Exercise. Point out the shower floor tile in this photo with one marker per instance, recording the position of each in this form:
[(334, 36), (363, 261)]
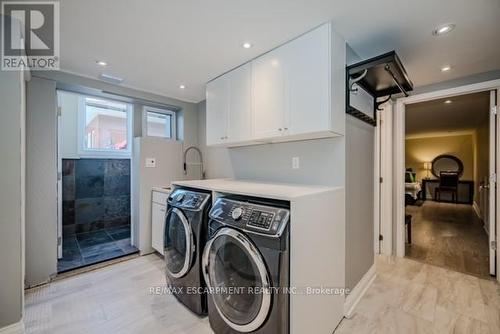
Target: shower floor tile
[(88, 248)]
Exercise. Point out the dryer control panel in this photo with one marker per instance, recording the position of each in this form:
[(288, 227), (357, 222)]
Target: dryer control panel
[(187, 199), (252, 217)]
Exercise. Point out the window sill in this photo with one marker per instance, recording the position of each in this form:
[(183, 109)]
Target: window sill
[(104, 155)]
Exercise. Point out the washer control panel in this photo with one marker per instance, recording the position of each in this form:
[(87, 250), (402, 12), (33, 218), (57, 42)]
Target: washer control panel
[(259, 218), (187, 199)]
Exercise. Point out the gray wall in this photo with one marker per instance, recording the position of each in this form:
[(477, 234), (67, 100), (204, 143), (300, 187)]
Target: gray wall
[(360, 138), (468, 80), (41, 175), (360, 164), (11, 289), (41, 229), (187, 129)]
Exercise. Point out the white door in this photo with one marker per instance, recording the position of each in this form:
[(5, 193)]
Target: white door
[(240, 104), (492, 193), (59, 186), (217, 108), (308, 73), (268, 90)]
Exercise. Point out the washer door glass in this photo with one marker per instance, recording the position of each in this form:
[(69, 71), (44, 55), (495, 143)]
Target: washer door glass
[(238, 277), (178, 243)]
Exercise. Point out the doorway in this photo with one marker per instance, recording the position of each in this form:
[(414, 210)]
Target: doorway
[(94, 220), (446, 171), (398, 225)]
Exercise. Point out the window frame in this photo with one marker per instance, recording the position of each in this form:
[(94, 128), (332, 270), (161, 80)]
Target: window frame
[(84, 152), (171, 113)]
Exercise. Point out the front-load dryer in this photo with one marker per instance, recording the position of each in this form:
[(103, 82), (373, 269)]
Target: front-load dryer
[(246, 266), (185, 234)]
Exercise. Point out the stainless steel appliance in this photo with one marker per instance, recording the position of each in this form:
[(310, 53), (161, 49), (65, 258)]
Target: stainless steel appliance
[(184, 238), (246, 266)]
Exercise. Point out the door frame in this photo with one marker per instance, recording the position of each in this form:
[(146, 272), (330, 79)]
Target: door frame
[(59, 180), (384, 180), (397, 222)]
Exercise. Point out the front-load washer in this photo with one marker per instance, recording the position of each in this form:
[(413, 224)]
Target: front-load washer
[(185, 234), (246, 266)]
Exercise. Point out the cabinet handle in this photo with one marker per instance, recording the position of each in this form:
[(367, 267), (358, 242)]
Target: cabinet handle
[(280, 129), (221, 138), (286, 129)]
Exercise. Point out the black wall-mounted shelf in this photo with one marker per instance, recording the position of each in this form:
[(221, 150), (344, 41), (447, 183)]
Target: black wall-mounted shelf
[(380, 76)]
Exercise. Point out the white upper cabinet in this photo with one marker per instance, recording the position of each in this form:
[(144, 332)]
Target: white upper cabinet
[(269, 95), (239, 121), (217, 110), (308, 69), (294, 92), (229, 107)]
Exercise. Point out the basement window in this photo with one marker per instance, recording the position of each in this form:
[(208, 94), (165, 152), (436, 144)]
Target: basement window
[(105, 127), (159, 122)]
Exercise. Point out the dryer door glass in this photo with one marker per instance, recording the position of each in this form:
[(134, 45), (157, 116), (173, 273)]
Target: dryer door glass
[(178, 243), (237, 272)]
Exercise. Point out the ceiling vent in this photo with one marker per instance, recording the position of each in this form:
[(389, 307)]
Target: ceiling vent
[(110, 78)]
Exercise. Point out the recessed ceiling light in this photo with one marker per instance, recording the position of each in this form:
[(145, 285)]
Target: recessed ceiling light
[(446, 68), (246, 45), (443, 29), (182, 86), (101, 63), (448, 101)]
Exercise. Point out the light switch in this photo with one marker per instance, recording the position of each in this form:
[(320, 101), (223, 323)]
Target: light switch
[(295, 162), (150, 162)]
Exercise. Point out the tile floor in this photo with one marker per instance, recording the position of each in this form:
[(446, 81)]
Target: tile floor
[(92, 247), (412, 297), (407, 297)]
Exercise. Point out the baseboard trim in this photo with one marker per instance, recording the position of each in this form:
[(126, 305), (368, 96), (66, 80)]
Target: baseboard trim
[(476, 209), (17, 328), (359, 290)]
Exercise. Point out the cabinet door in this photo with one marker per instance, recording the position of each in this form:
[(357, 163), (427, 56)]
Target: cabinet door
[(308, 73), (240, 104), (268, 90), (157, 226), (217, 108)]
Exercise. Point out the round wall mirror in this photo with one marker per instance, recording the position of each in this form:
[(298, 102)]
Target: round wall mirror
[(447, 163)]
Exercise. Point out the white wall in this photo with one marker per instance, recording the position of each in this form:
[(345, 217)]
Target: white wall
[(168, 168)]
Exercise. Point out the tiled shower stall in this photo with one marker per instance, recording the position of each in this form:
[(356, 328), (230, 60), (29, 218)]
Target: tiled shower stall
[(96, 211)]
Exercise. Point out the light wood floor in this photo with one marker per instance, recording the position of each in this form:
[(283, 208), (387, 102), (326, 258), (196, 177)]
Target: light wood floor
[(449, 235), (407, 297)]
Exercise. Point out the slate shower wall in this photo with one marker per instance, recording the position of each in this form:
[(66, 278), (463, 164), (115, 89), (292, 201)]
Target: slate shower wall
[(96, 194)]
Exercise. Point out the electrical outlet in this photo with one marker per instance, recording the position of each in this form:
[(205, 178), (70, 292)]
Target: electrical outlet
[(295, 162), (150, 162)]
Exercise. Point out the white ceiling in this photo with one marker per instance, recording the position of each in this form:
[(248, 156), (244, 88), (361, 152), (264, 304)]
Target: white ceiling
[(436, 118), (156, 45)]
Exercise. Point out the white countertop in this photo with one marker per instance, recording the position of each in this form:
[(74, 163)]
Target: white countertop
[(165, 190), (283, 191)]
